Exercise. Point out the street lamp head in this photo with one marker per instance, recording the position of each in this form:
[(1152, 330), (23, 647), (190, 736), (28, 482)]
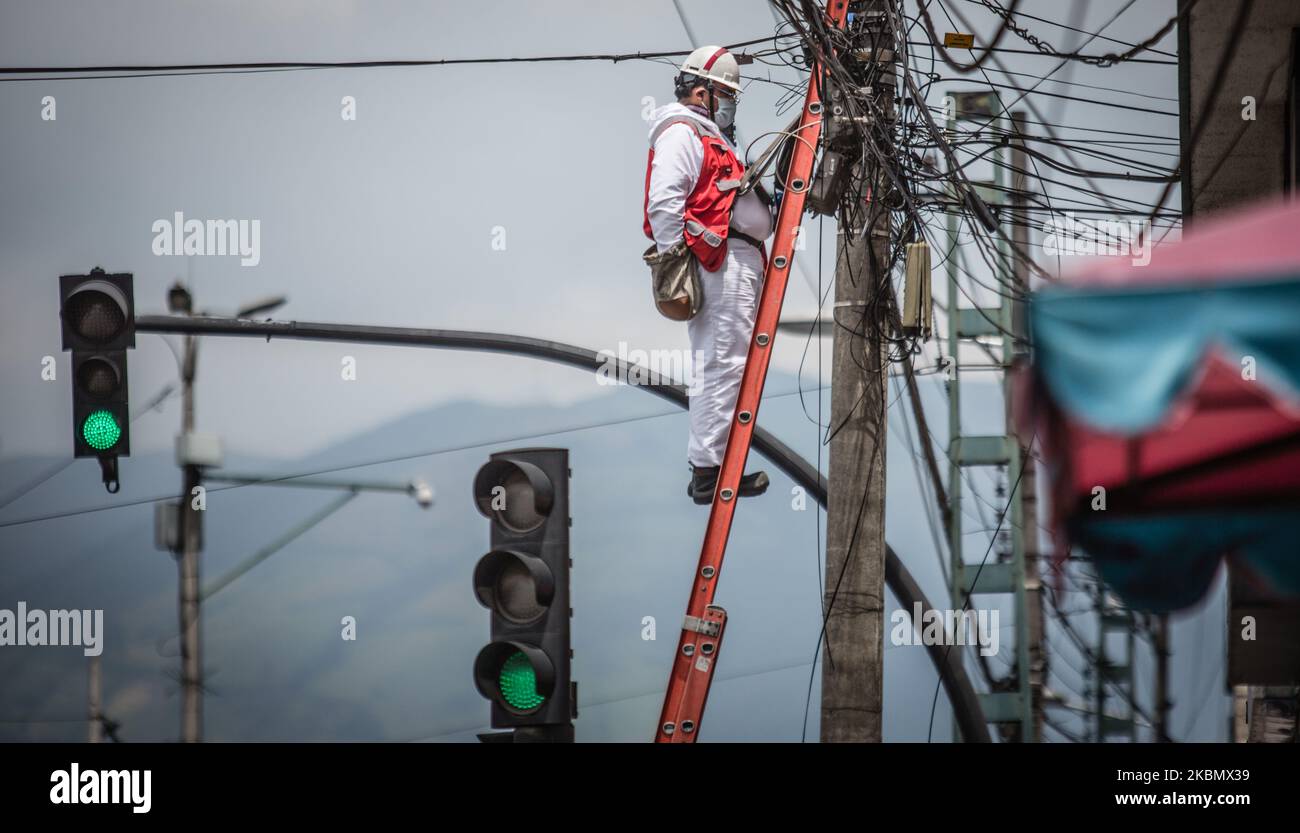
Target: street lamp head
[(423, 493), (179, 300), (262, 305)]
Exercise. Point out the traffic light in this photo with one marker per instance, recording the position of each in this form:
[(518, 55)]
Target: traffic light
[(98, 313), (524, 581)]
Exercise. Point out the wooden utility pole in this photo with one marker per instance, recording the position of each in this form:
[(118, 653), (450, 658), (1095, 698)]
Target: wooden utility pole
[(852, 668)]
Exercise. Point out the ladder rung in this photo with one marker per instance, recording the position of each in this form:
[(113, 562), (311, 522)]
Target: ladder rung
[(973, 323), (993, 578), (1002, 706), (983, 451), (1118, 621), (1116, 725)]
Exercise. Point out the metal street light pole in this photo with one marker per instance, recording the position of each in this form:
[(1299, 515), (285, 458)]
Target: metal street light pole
[(190, 538)]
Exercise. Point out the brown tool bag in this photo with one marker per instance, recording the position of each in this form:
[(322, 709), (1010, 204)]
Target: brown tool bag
[(675, 281)]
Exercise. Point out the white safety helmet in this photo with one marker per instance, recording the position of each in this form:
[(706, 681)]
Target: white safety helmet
[(716, 64)]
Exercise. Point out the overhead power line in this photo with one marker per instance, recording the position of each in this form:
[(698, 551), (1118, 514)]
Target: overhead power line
[(1007, 50), (374, 462), (1107, 60), (1060, 25), (162, 395), (253, 66), (1093, 101)]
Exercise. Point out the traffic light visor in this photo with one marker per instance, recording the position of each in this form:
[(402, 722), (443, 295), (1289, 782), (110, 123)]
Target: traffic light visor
[(96, 311), (516, 585), (99, 377), (515, 494)]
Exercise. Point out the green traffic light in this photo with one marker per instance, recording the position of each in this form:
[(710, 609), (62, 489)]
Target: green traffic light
[(518, 683), (100, 430)]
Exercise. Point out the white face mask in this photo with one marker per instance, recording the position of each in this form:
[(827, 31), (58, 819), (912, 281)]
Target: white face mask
[(725, 114)]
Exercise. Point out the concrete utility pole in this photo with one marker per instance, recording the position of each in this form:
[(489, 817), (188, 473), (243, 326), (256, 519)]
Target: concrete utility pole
[(1099, 665), (852, 668), (191, 520), (193, 453), (94, 697), (1159, 626)]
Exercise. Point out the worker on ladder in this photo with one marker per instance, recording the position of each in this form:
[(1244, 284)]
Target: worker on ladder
[(692, 182)]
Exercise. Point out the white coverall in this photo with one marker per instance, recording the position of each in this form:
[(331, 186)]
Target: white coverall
[(721, 330)]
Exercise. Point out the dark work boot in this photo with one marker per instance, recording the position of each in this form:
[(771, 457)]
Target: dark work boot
[(704, 482)]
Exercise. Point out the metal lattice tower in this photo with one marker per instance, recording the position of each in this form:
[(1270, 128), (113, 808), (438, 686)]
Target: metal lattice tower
[(991, 329)]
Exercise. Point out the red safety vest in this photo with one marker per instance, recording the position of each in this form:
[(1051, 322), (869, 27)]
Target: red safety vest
[(708, 207)]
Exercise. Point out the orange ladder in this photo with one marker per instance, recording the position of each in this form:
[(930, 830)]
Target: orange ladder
[(703, 626)]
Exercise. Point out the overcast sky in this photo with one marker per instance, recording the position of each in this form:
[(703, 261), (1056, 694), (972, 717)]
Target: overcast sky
[(388, 219)]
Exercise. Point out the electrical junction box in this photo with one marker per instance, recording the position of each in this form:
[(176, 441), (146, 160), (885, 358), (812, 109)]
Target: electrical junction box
[(198, 449), (918, 308), (828, 183)]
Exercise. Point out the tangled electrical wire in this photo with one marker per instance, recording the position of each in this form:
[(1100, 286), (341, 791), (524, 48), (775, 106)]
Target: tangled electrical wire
[(909, 177), (885, 131), (1107, 60), (879, 117), (863, 128)]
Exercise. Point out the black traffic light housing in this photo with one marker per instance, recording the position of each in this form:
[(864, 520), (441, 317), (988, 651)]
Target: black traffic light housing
[(523, 580), (98, 319), (99, 385), (98, 311)]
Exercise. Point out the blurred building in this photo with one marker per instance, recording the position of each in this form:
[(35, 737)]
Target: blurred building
[(1245, 148)]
